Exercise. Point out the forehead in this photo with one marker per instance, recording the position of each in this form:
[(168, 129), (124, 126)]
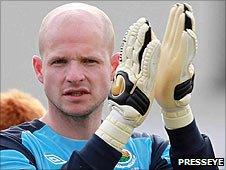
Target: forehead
[(76, 51)]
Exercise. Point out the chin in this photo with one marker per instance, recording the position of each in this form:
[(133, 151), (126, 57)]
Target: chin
[(81, 109), (77, 111)]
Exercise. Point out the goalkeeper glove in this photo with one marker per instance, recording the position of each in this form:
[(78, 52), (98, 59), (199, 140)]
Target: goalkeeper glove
[(175, 76), (132, 91)]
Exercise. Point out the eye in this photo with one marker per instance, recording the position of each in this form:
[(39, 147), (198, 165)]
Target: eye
[(89, 61), (59, 61)]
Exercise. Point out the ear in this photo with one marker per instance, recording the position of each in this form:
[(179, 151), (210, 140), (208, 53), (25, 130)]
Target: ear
[(114, 63), (37, 65)]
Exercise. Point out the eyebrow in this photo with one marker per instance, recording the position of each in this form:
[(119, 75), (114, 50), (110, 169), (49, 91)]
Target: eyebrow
[(79, 58), (51, 59), (91, 57)]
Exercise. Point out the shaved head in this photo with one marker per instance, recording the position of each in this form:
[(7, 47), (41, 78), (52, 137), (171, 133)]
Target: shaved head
[(76, 14)]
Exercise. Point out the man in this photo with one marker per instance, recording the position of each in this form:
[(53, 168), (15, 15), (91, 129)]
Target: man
[(76, 67)]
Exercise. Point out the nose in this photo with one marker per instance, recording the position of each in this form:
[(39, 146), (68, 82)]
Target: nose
[(75, 73)]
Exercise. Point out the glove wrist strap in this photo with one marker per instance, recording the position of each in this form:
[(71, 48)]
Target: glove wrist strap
[(177, 119), (114, 132)]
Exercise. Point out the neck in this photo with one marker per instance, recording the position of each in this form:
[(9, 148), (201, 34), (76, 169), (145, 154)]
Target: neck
[(80, 129)]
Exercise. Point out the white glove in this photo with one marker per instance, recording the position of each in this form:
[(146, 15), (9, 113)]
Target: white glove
[(175, 76), (133, 87)]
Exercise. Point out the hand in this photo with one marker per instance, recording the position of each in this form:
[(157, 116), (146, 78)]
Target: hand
[(175, 76), (133, 87)]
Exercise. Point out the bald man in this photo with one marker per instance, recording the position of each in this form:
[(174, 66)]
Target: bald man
[(76, 67)]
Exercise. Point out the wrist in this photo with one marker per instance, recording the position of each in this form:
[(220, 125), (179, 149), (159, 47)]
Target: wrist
[(175, 119), (114, 131)]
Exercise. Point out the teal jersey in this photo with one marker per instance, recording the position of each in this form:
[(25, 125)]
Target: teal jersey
[(34, 145)]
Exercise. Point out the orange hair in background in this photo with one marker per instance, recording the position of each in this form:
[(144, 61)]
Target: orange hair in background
[(18, 107)]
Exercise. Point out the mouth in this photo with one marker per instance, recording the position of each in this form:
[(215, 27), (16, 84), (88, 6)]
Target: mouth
[(76, 92)]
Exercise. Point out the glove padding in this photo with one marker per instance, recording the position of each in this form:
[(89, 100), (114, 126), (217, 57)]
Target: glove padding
[(175, 78), (133, 88)]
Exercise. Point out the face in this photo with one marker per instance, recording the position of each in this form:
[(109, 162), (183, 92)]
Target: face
[(76, 67)]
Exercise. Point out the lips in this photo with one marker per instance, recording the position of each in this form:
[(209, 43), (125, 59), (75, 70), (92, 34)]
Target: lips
[(76, 92)]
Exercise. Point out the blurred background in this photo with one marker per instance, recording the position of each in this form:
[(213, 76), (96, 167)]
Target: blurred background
[(20, 21)]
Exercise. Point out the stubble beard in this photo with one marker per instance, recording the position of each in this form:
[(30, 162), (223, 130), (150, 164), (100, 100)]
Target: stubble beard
[(78, 116)]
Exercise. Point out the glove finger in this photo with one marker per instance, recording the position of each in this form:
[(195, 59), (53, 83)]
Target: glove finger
[(150, 59), (186, 54), (190, 29), (143, 38), (128, 63), (169, 24), (126, 49), (149, 67), (191, 40), (191, 43), (178, 33), (175, 23), (134, 43), (131, 38), (127, 44)]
